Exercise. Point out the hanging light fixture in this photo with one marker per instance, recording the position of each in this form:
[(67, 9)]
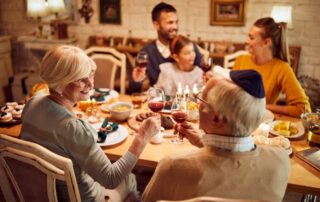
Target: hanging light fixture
[(57, 7)]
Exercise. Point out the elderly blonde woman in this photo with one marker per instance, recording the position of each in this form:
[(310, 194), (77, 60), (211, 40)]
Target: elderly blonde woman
[(48, 120), (229, 164)]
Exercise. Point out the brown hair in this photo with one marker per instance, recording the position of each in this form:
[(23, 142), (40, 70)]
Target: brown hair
[(277, 33), (161, 7), (178, 43)]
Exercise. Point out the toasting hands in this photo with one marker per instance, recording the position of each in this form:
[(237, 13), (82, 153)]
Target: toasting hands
[(187, 131), (138, 74)]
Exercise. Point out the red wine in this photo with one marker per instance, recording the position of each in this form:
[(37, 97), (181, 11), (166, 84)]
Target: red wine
[(155, 106), (141, 64), (179, 116), (205, 67)]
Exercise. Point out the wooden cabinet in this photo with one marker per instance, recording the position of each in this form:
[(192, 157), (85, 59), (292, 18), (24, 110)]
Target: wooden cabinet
[(6, 70)]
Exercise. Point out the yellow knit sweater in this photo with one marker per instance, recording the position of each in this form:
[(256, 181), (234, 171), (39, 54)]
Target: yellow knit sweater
[(277, 77)]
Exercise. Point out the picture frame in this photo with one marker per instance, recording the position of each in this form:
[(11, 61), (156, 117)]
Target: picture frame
[(110, 12), (228, 12)]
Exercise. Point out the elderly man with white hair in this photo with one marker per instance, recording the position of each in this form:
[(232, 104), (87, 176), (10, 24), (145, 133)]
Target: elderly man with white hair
[(228, 163)]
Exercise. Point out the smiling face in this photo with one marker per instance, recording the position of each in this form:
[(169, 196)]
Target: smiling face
[(185, 58), (166, 26), (256, 44), (79, 90)]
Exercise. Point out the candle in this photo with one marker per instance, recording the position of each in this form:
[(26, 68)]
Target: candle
[(186, 91), (179, 92), (194, 90)]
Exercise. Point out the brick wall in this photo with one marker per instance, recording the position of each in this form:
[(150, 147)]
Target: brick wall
[(194, 20)]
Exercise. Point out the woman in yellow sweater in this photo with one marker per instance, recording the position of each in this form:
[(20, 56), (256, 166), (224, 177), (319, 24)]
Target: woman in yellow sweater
[(269, 56)]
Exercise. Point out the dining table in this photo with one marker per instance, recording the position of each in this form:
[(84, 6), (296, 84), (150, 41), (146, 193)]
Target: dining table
[(303, 177)]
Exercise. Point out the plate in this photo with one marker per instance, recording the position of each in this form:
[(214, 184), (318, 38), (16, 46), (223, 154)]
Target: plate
[(112, 138), (79, 114), (166, 111), (112, 94), (298, 125), (11, 123), (289, 151), (268, 116)]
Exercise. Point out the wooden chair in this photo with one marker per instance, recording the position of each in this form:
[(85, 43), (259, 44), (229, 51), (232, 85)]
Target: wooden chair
[(108, 60), (29, 172), (211, 199), (230, 59)]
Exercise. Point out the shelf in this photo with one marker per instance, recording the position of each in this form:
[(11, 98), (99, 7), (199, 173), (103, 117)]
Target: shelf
[(33, 43)]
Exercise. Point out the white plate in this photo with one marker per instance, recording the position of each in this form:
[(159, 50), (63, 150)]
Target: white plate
[(298, 125), (268, 116), (104, 108), (166, 111), (112, 94), (112, 138), (79, 114), (289, 151)]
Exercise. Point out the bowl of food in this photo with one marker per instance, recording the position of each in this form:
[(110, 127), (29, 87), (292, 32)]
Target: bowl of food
[(120, 111), (309, 118)]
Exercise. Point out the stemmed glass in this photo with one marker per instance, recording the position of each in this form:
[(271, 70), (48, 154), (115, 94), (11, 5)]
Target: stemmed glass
[(142, 59), (206, 64), (179, 113), (156, 99)]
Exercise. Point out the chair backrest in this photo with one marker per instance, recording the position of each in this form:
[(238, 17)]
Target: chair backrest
[(108, 60), (211, 199), (29, 172), (230, 59)]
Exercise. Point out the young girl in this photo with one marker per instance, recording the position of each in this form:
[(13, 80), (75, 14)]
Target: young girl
[(182, 69)]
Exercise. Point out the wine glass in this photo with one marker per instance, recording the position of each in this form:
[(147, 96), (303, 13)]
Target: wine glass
[(206, 64), (156, 99), (142, 59), (179, 113)]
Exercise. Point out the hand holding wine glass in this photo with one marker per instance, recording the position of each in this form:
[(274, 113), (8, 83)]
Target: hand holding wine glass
[(206, 64), (139, 72), (179, 113), (156, 99)]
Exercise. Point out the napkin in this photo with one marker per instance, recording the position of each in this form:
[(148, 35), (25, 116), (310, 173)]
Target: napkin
[(105, 129), (99, 94)]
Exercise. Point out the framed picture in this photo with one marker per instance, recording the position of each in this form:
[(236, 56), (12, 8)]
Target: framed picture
[(228, 12), (110, 11)]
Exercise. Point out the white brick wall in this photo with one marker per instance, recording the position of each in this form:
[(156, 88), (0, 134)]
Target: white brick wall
[(194, 18)]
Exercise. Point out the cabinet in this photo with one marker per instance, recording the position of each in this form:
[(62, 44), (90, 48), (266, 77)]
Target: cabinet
[(6, 70), (33, 43)]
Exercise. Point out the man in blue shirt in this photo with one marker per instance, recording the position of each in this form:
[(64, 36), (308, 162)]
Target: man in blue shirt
[(165, 21)]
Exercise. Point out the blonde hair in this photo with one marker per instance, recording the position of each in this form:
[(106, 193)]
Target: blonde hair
[(63, 65), (242, 112)]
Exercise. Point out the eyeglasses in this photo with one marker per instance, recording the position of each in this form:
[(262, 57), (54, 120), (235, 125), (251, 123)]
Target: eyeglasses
[(199, 97), (86, 80)]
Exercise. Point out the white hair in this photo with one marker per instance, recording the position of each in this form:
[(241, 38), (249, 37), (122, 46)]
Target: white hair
[(242, 112), (63, 65)]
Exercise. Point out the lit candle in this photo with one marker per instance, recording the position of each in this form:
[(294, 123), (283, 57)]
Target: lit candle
[(179, 92), (194, 90), (186, 91)]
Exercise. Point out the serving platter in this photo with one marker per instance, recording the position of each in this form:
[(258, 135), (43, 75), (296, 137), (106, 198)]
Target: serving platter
[(297, 125)]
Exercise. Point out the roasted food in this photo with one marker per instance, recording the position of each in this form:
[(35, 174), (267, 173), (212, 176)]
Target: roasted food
[(166, 122)]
